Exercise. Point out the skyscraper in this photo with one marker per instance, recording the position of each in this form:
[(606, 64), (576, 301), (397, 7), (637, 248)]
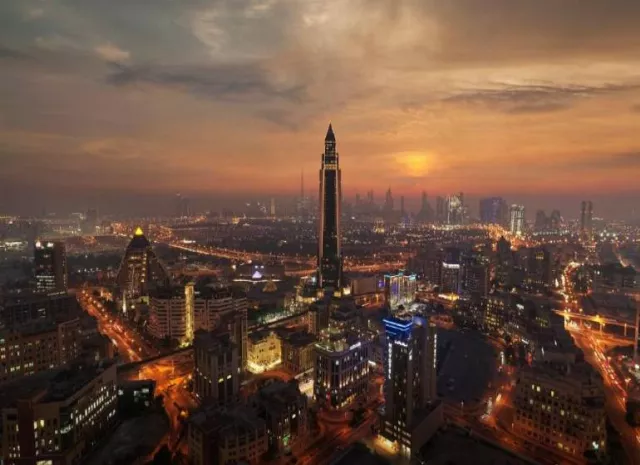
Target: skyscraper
[(441, 215), (329, 255), (50, 263), (586, 219), (516, 219), (425, 215), (410, 380)]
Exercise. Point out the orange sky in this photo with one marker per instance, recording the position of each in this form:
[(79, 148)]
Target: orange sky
[(489, 97)]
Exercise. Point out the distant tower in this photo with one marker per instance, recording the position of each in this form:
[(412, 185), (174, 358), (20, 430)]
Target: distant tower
[(272, 211), (329, 254)]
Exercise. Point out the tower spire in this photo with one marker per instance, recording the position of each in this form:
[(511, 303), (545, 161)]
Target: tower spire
[(330, 136)]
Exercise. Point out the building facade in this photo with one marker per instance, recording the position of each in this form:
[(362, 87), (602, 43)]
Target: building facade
[(562, 410), (264, 351), (298, 352), (516, 220), (217, 369), (341, 371), (50, 266)]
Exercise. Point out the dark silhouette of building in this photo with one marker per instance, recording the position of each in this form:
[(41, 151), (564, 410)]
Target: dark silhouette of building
[(50, 263), (586, 219), (329, 254), (425, 215), (441, 214), (140, 270), (494, 210)]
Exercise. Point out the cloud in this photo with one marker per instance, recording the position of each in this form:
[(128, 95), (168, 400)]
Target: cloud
[(534, 98), (608, 161), (223, 81), (10, 54), (35, 13), (111, 53)]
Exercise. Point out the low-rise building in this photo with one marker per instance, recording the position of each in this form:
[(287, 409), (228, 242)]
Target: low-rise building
[(220, 436), (57, 417), (264, 351), (298, 352)]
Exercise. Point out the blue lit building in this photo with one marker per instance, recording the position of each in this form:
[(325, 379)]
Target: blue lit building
[(411, 411)]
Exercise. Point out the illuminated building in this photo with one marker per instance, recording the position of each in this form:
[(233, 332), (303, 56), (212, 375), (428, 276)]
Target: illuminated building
[(217, 368), (562, 409), (504, 261), (341, 368), (38, 346), (411, 414), (400, 289), (140, 270), (264, 351), (496, 315), (616, 278), (284, 409), (516, 220), (539, 267), (58, 417), (455, 209), (329, 252), (493, 210), (220, 436), (171, 313), (50, 266), (298, 352), (259, 272)]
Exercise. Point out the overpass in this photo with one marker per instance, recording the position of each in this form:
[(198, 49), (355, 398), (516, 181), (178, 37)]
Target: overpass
[(133, 365)]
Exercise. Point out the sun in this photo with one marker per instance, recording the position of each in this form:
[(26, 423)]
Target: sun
[(414, 164)]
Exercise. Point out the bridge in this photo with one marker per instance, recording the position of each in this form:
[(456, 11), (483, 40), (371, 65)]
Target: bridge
[(125, 367), (597, 319)]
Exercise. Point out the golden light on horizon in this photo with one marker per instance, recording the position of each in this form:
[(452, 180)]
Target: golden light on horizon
[(414, 164)]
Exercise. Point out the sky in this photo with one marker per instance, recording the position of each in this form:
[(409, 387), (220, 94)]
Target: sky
[(528, 99)]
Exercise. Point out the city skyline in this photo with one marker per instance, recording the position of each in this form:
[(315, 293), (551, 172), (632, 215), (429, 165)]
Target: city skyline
[(205, 98)]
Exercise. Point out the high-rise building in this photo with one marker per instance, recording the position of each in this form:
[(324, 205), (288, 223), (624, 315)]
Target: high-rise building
[(539, 267), (140, 269), (516, 220), (493, 210), (441, 213), (455, 209), (476, 278), (329, 247), (425, 215), (50, 266), (555, 220), (410, 382), (90, 222), (586, 219), (182, 206), (400, 289), (451, 271), (171, 313), (542, 222), (216, 376)]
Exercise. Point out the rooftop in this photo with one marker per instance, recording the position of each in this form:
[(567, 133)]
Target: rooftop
[(227, 421)]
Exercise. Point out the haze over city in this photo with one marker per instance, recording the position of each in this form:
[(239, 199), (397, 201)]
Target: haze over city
[(126, 104)]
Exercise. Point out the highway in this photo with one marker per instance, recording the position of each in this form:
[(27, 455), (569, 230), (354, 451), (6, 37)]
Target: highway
[(592, 343)]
